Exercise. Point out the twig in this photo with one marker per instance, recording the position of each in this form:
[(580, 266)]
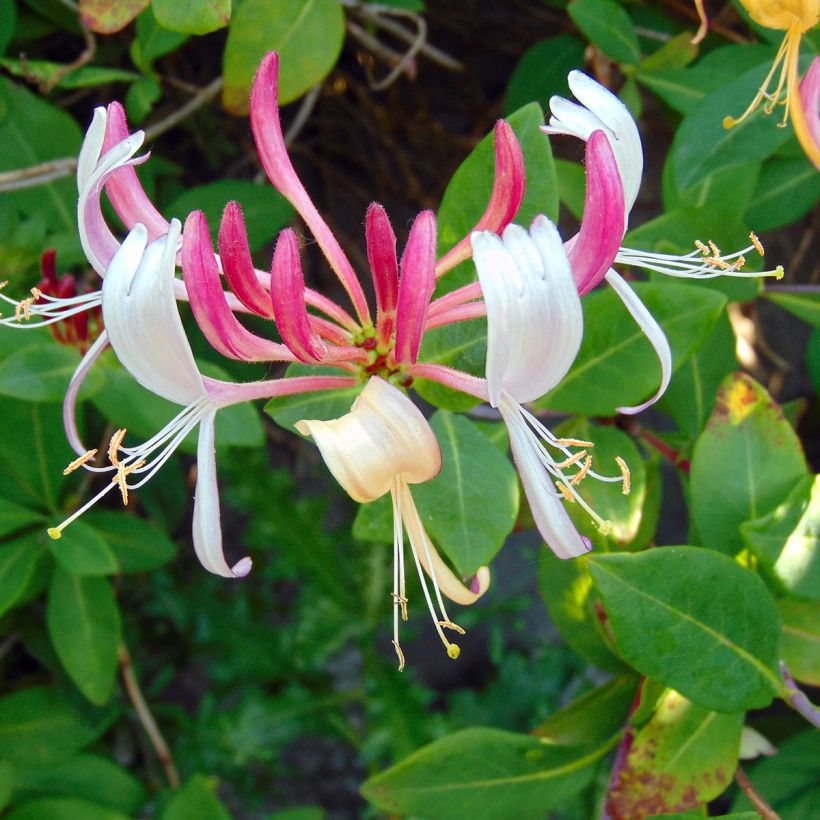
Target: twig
[(667, 451), (86, 56), (305, 110), (793, 288), (763, 808), (798, 700), (202, 97), (145, 717)]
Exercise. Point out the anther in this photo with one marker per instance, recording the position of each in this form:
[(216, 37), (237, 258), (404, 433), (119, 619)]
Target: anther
[(3, 284), (717, 262), (402, 602), (453, 651), (757, 243), (581, 474), (78, 462), (715, 249), (400, 655), (701, 247), (573, 442), (573, 459), (739, 262), (565, 491), (454, 627), (36, 293), (627, 476), (23, 309), (114, 446), (123, 471)]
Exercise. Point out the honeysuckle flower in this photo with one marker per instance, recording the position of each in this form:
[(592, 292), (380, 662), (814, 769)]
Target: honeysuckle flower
[(596, 247), (383, 445), (146, 333), (795, 18), (534, 330)]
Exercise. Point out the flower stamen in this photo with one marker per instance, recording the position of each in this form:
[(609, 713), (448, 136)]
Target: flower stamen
[(78, 462), (582, 473), (758, 245), (573, 459), (627, 476)]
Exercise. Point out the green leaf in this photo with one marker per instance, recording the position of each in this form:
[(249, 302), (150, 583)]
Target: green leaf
[(787, 541), (570, 598), (8, 23), (197, 798), (8, 776), (152, 41), (18, 561), (83, 77), (608, 26), (805, 306), (674, 54), (84, 626), (41, 372), (542, 71), (594, 717), (695, 621), (137, 545), (82, 551), (308, 36), (483, 773), (265, 210), (800, 639), (616, 365), (86, 776), (691, 395), (684, 756), (105, 17), (789, 778), (571, 181), (64, 808), (34, 131), (15, 517), (470, 507), (192, 16), (38, 726), (787, 190), (748, 439), (141, 96)]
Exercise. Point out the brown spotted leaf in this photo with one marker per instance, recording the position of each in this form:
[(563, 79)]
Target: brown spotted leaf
[(109, 16)]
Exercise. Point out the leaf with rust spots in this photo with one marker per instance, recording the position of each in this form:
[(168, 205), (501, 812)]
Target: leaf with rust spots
[(745, 463), (109, 16), (684, 756)]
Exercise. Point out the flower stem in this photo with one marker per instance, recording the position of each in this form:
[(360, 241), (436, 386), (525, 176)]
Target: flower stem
[(760, 804), (798, 700)]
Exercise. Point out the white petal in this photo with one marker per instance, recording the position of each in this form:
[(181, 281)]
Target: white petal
[(91, 147), (653, 332), (207, 528), (571, 119), (70, 399), (548, 511), (141, 317)]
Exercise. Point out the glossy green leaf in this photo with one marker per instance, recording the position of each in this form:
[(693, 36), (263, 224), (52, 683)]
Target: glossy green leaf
[(805, 306), (38, 726), (105, 17), (800, 640), (19, 558), (16, 517), (674, 54), (152, 41), (787, 190), (137, 545), (84, 625), (542, 71), (141, 97), (787, 541), (571, 181), (616, 365), (264, 209), (607, 25), (84, 77), (483, 773), (64, 808), (192, 16), (8, 21), (197, 798), (82, 550), (470, 507), (694, 620), (41, 372), (748, 440), (308, 36), (684, 756), (691, 395), (789, 778), (85, 776)]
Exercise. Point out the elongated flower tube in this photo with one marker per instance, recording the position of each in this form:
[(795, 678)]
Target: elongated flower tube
[(381, 446), (534, 330), (592, 251)]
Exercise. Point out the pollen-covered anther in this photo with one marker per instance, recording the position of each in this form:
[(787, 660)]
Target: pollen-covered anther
[(114, 446), (78, 462), (23, 308), (757, 243), (739, 262), (582, 473), (399, 654), (717, 262), (123, 471), (402, 602), (454, 627), (3, 283), (573, 459), (573, 442), (702, 248), (627, 476), (715, 249), (565, 491)]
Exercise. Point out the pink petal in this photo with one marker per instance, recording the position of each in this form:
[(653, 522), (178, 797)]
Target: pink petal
[(267, 133), (418, 280), (237, 265), (287, 292), (449, 377), (810, 109), (200, 271), (70, 399), (507, 195), (384, 268), (593, 249), (123, 187)]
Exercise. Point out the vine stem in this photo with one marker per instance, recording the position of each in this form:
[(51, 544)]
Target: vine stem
[(666, 450), (798, 699), (145, 717), (760, 804)]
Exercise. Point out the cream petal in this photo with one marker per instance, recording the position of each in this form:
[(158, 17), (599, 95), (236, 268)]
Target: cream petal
[(91, 147)]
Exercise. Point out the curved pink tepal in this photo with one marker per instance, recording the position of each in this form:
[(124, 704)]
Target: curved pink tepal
[(200, 270), (287, 292), (267, 133), (810, 102), (509, 186), (237, 264), (384, 268), (416, 286), (123, 186), (593, 249)]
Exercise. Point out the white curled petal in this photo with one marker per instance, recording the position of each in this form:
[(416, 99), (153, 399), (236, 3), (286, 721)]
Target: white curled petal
[(140, 314), (70, 399), (571, 119), (548, 511), (207, 528), (91, 147), (653, 332)]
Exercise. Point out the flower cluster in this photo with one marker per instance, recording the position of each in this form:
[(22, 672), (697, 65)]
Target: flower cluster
[(529, 287)]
